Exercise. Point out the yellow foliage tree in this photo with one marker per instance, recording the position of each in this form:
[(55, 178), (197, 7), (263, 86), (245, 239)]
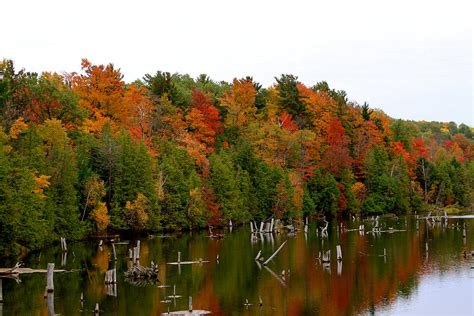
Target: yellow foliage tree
[(240, 103), (94, 190), (101, 217), (41, 183), (17, 128), (137, 212)]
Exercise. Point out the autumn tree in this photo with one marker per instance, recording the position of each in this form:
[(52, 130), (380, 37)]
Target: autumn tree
[(137, 212), (51, 98), (336, 157), (204, 120), (101, 91), (239, 103), (139, 120)]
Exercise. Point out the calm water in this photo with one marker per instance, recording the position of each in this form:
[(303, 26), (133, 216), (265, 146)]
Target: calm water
[(409, 280)]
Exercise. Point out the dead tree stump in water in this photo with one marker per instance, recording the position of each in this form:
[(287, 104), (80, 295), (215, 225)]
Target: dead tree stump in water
[(50, 278), (339, 253)]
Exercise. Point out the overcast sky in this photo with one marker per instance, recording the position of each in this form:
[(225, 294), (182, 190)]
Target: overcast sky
[(412, 59)]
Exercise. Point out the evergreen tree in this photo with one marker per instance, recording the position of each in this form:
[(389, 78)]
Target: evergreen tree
[(180, 178)]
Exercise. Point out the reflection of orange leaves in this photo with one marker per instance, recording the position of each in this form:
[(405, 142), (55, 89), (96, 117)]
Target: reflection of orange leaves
[(101, 260), (296, 306), (206, 298)]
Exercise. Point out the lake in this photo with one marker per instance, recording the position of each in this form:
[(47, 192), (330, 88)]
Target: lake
[(410, 268)]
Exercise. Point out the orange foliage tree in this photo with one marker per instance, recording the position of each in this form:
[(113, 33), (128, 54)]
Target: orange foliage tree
[(101, 92), (239, 103)]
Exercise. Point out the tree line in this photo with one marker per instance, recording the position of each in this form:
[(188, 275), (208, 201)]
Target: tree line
[(86, 153)]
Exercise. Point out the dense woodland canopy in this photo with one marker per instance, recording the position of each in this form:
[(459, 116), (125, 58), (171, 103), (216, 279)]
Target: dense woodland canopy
[(86, 153)]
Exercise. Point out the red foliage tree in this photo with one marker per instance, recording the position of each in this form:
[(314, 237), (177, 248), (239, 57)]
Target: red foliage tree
[(336, 157), (204, 120)]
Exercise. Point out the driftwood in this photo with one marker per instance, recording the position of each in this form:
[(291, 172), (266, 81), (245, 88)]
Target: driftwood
[(212, 235), (179, 262), (188, 313), (139, 275), (275, 253), (188, 262), (9, 271)]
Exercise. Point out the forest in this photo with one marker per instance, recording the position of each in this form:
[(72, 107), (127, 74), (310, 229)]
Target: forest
[(83, 154)]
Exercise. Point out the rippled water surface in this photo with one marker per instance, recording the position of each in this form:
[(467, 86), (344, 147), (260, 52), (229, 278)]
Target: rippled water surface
[(423, 271)]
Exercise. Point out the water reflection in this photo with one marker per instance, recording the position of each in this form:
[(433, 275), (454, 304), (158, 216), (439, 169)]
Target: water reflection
[(388, 266)]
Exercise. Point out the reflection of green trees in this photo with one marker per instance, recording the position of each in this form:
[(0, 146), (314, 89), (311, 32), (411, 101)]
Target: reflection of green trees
[(367, 280), (235, 278)]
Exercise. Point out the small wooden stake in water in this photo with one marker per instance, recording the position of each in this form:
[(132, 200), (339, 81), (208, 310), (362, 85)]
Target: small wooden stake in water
[(49, 278), (113, 250), (51, 304), (179, 256), (190, 304), (1, 291), (130, 254), (96, 309), (339, 253), (251, 227), (63, 244)]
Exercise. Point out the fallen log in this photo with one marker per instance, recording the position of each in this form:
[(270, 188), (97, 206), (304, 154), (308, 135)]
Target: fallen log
[(8, 271)]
